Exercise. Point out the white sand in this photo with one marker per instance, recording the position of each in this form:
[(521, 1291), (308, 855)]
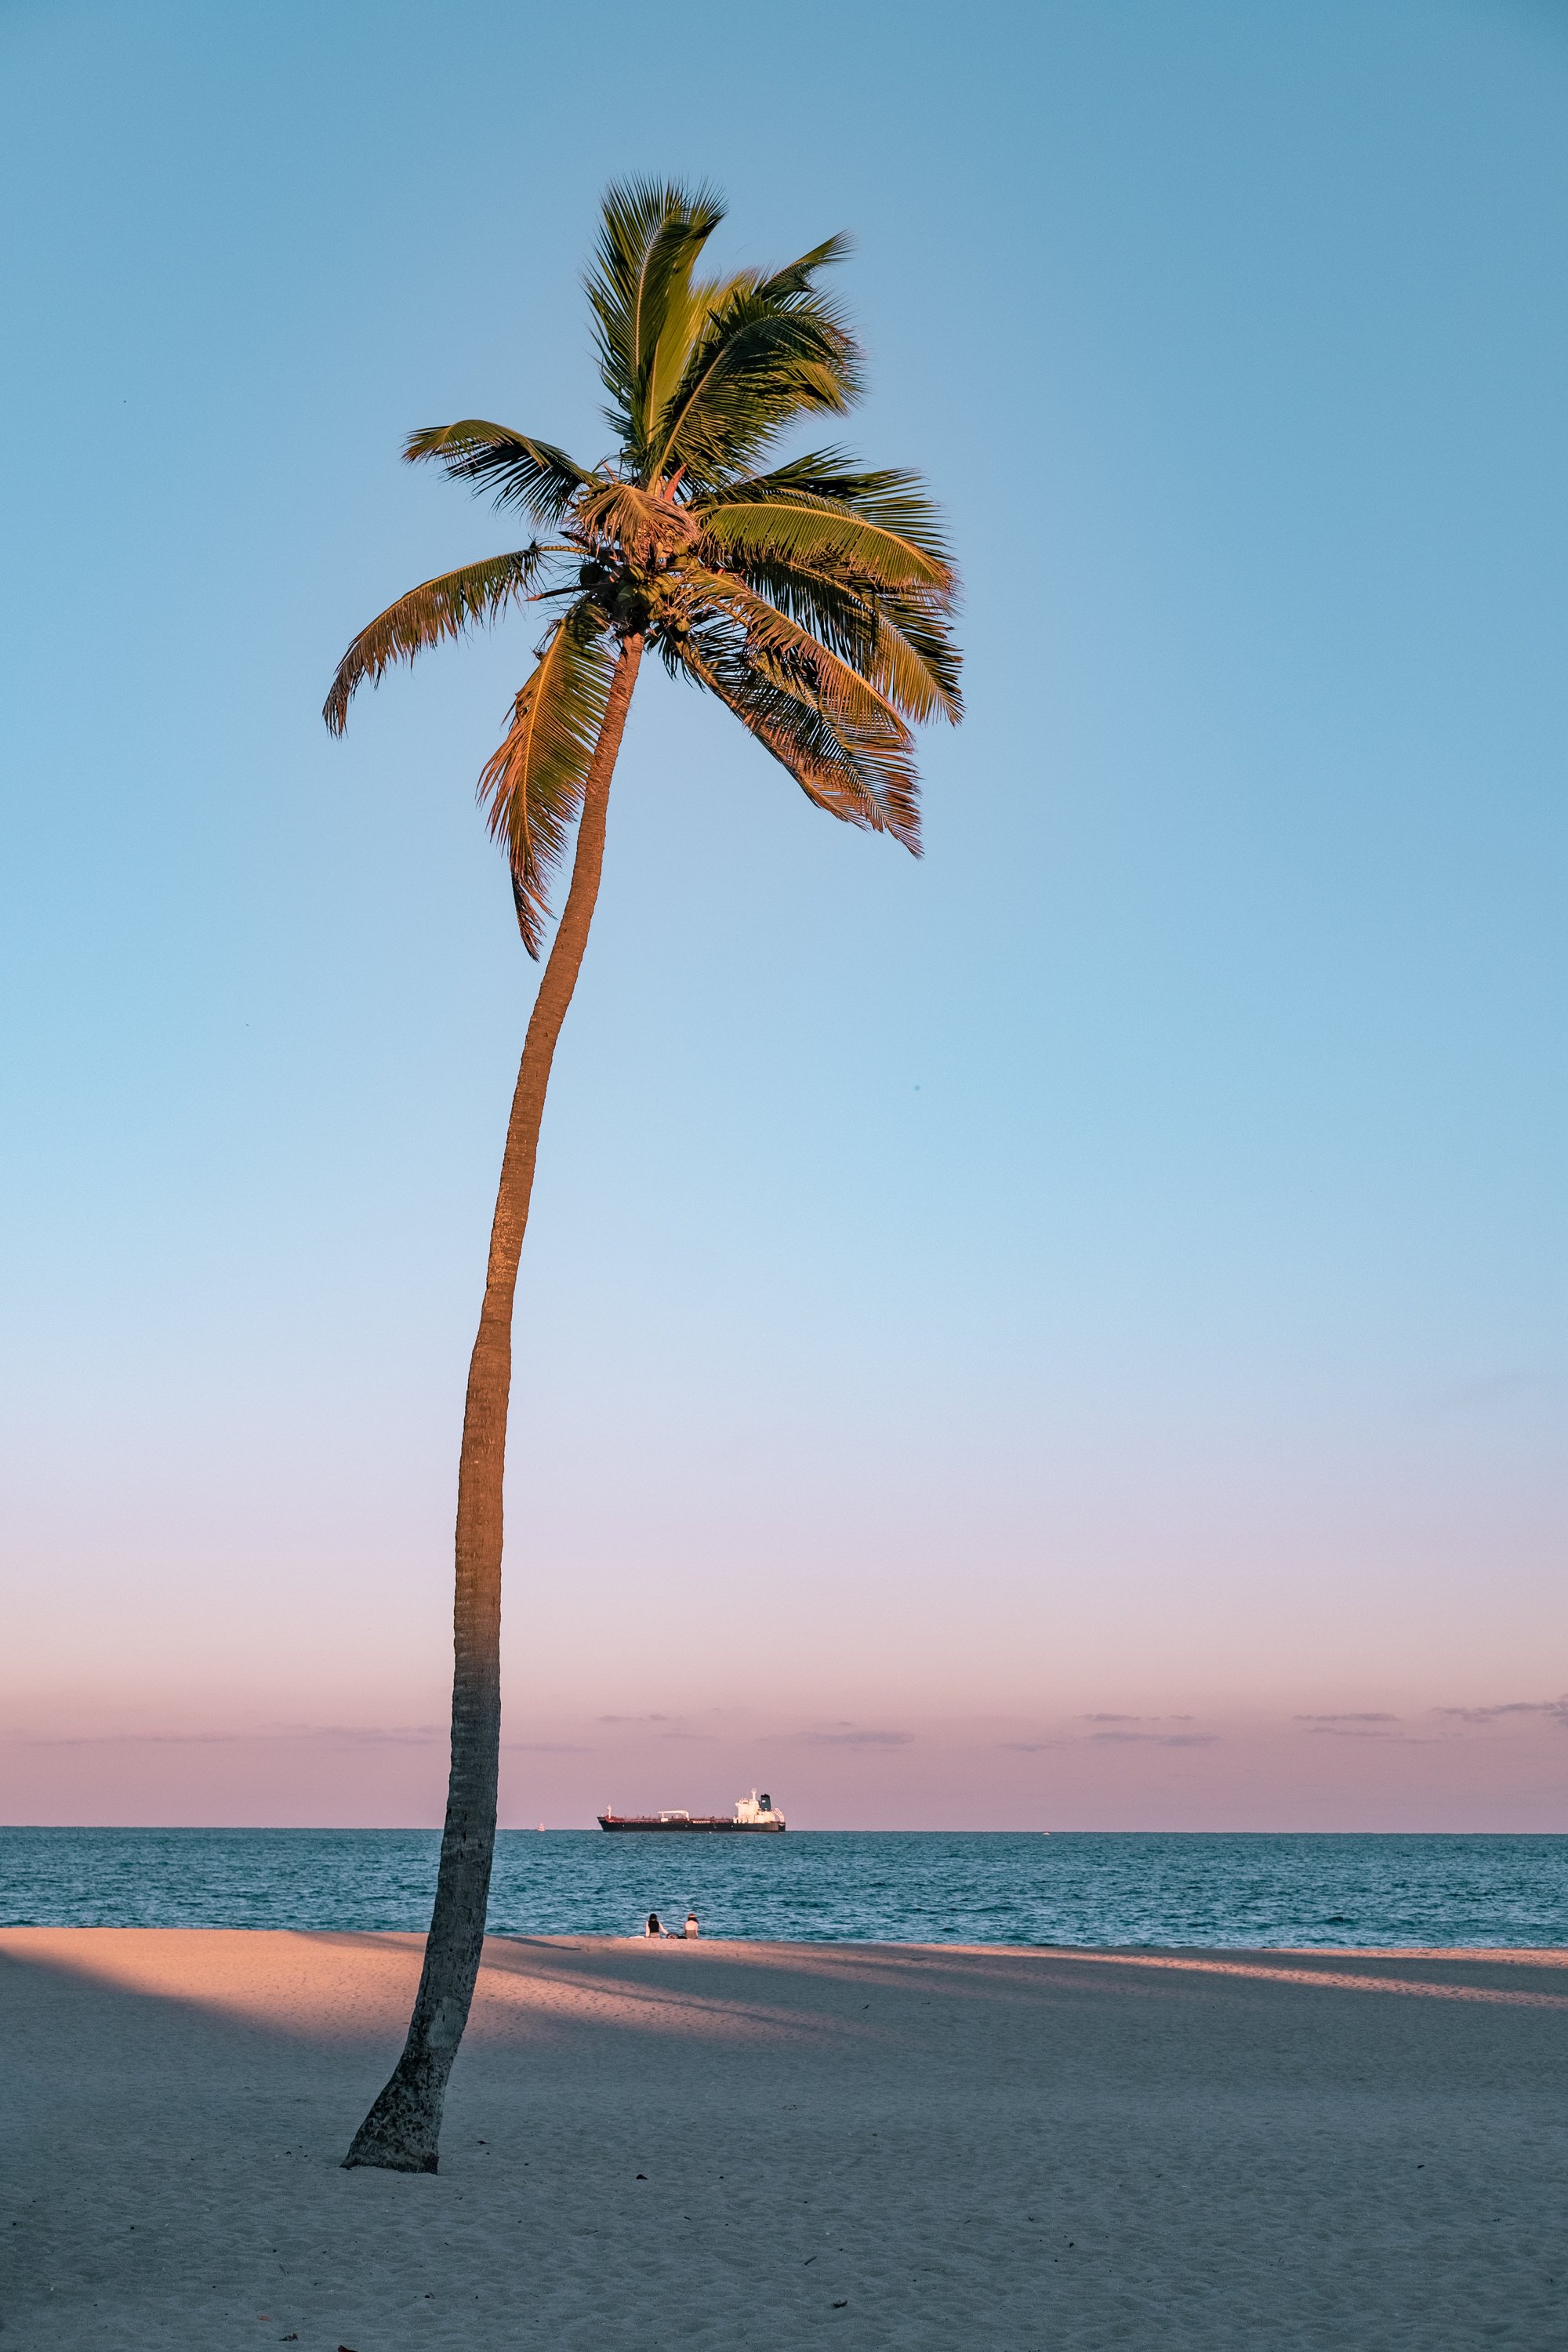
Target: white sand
[(873, 2144)]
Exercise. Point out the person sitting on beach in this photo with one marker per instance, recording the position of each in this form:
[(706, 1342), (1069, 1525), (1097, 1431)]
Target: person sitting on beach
[(691, 1929), (654, 1926)]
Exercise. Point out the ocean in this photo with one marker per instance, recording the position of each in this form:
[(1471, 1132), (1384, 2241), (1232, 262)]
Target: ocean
[(817, 1886)]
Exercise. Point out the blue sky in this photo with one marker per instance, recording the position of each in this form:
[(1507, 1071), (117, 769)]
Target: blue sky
[(1114, 1267)]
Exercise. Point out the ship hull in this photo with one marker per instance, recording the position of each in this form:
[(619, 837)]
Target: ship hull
[(714, 1826)]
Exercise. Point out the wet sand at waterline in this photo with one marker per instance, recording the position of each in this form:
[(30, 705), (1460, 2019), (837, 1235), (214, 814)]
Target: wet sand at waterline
[(872, 2144)]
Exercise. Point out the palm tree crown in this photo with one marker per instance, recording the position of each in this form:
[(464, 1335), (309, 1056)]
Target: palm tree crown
[(811, 596)]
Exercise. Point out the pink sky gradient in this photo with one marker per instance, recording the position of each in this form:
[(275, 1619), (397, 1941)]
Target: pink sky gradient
[(983, 1623), (1477, 1770), (979, 1626)]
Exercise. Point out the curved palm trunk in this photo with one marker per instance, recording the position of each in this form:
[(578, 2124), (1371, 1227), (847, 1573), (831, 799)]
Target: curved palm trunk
[(402, 2131)]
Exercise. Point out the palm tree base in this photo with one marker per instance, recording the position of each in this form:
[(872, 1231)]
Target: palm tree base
[(402, 2132)]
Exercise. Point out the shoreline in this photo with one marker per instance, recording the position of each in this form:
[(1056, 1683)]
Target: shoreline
[(1541, 1954)]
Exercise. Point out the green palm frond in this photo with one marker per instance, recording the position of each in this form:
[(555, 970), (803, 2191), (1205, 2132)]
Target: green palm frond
[(837, 611), (862, 775), (917, 671), (890, 503), (442, 608), (830, 472), (903, 646), (518, 470), (791, 657), (915, 661), (825, 534), (532, 786), (644, 308), (873, 544), (762, 357), (795, 277)]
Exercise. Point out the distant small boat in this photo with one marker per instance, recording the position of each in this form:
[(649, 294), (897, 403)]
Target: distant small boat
[(752, 1812)]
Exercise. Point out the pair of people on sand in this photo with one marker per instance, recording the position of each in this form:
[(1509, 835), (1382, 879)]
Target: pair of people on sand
[(673, 1935)]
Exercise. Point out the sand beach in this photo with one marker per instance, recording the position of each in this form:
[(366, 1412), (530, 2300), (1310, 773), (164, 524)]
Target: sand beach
[(743, 2143)]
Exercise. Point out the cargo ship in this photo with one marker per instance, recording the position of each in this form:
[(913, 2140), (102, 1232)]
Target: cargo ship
[(752, 1812)]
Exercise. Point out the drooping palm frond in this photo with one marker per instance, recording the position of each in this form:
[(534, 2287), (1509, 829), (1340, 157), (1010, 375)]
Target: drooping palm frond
[(861, 774), (443, 607), (838, 611), (914, 661), (517, 469), (532, 786), (901, 644), (873, 545), (796, 659)]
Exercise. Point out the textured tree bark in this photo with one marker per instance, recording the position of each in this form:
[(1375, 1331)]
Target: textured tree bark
[(402, 2129)]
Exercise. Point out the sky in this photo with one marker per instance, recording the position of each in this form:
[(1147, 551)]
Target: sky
[(1064, 1334)]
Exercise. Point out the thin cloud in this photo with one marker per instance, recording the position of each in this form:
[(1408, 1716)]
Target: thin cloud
[(136, 1739), (1347, 1731), (412, 1734), (1155, 1739), (853, 1738), (1137, 1719), (1326, 1720), (1554, 1709), (633, 1718), (407, 1735), (1028, 1746)]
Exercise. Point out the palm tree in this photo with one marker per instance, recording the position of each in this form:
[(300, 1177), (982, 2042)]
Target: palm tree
[(812, 599)]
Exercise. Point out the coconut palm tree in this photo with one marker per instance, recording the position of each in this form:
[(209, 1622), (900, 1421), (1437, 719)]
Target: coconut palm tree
[(813, 598)]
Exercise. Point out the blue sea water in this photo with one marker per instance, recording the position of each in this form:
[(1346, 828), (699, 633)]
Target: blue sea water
[(819, 1887)]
